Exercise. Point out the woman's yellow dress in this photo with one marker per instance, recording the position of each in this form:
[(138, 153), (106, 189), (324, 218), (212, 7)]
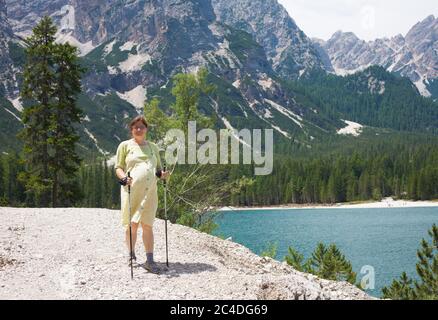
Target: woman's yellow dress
[(141, 162)]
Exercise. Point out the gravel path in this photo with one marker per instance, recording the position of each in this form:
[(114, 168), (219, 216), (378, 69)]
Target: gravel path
[(71, 253)]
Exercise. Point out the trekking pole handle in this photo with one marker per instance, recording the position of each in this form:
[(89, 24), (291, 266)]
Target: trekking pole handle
[(129, 177)]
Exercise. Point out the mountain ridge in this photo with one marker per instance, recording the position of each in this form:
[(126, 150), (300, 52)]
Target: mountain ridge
[(414, 56), (132, 51)]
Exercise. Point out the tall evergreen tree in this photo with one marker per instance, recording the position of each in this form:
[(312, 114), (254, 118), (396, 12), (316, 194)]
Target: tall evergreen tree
[(51, 84), (38, 88)]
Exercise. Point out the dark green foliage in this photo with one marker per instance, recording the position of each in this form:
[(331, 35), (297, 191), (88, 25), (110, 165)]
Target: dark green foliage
[(12, 191), (50, 86), (153, 68), (38, 87), (64, 162), (10, 125), (325, 262), (426, 287), (158, 122), (187, 90), (99, 186), (373, 97), (402, 166), (240, 43)]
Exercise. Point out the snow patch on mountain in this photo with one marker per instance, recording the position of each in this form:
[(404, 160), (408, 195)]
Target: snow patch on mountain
[(268, 114), (84, 48), (266, 83), (294, 117), (68, 22), (17, 104), (92, 137), (278, 129), (236, 84), (347, 72), (128, 46), (287, 135), (352, 128), (136, 97), (421, 86), (234, 132), (134, 62)]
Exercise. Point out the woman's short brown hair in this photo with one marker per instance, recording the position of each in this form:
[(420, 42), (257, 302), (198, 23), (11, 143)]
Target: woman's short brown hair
[(137, 119)]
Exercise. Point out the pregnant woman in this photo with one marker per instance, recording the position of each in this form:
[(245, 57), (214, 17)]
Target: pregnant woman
[(141, 159)]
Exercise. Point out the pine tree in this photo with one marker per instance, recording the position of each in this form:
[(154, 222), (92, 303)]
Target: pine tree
[(50, 86), (38, 89), (325, 262), (426, 288)]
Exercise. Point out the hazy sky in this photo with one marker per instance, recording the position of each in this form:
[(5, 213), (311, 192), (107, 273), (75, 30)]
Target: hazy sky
[(368, 19)]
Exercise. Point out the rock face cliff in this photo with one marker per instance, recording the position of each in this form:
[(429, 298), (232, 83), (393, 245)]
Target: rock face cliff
[(290, 50), (39, 261), (414, 56)]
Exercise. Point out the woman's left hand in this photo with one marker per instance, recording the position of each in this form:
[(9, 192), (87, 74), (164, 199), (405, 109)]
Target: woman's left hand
[(165, 175)]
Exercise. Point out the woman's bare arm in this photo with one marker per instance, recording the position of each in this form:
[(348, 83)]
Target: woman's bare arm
[(120, 173)]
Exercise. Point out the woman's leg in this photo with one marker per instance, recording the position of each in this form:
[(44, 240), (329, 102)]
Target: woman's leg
[(134, 228), (148, 241), (148, 238)]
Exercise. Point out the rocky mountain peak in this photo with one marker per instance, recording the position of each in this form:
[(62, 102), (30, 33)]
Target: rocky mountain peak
[(414, 56), (424, 36), (289, 49), (340, 35)]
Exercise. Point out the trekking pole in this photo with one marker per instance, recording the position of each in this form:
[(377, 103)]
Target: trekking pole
[(165, 216), (130, 231)]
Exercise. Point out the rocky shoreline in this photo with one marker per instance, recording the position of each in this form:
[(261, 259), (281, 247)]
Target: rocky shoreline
[(384, 203), (75, 253)]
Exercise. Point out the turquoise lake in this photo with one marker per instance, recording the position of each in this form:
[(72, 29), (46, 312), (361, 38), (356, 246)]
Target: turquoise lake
[(386, 239)]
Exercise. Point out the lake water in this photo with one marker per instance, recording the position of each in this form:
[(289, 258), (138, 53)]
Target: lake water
[(386, 239)]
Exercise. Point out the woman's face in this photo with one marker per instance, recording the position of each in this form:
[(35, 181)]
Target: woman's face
[(138, 130)]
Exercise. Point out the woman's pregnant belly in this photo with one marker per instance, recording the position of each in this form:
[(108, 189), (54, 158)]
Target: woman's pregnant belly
[(143, 175)]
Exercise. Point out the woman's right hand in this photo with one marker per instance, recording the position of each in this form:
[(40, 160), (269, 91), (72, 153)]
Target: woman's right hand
[(122, 176)]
